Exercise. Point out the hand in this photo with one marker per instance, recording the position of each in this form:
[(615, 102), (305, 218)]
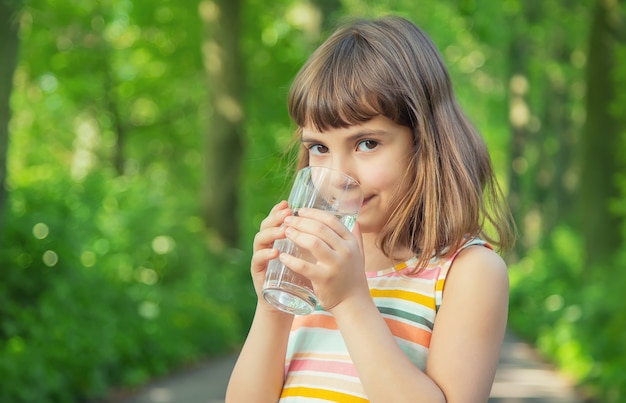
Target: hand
[(337, 267), (262, 247)]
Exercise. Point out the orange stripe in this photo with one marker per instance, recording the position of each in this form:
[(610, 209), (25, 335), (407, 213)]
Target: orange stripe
[(408, 332), (319, 321), (321, 394)]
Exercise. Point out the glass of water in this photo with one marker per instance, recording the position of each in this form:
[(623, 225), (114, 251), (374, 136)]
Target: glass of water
[(314, 187)]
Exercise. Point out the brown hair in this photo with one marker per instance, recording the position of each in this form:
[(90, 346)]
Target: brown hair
[(390, 67)]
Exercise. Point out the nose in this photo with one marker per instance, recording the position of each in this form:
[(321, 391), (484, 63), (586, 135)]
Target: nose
[(338, 191), (348, 194), (344, 165)]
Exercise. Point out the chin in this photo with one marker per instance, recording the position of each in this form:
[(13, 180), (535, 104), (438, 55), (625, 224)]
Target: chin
[(366, 228)]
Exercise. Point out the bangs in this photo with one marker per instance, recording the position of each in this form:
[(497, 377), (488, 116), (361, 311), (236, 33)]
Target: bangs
[(347, 82)]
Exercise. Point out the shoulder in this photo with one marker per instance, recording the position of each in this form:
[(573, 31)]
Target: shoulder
[(470, 269), (474, 304), (478, 260), (474, 270), (474, 258)]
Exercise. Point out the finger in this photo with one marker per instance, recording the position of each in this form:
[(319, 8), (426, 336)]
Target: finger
[(328, 218), (261, 258), (279, 207), (276, 214), (265, 238), (271, 227), (319, 247), (315, 224), (297, 265), (315, 235)]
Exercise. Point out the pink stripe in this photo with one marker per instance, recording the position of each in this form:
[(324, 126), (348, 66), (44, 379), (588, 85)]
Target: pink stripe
[(323, 366), (429, 274)]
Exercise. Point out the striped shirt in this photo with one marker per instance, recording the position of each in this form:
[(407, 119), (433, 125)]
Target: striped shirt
[(318, 367)]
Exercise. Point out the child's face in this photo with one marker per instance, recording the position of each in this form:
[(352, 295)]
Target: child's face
[(376, 153)]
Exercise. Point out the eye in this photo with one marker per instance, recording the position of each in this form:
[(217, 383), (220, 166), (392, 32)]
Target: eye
[(318, 149), (367, 145)]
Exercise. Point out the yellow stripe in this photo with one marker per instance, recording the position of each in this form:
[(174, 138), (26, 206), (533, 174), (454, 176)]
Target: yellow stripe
[(325, 383), (322, 394), (405, 295), (400, 266), (439, 285), (323, 357)]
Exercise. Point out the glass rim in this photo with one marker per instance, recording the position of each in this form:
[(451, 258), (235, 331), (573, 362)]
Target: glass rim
[(309, 167)]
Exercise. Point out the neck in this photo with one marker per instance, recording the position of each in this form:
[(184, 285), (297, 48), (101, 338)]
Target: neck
[(375, 259)]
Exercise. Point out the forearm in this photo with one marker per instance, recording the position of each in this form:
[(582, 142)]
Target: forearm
[(385, 371), (259, 372)]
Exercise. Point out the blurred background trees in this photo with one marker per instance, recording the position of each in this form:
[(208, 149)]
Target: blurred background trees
[(142, 142), (224, 135)]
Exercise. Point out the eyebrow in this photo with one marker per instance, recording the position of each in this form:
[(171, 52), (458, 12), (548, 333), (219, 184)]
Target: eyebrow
[(351, 138)]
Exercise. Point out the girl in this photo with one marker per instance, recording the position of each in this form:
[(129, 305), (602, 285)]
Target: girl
[(413, 302)]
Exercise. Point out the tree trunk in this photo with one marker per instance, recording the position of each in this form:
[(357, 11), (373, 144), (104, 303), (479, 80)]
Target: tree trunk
[(519, 119), (601, 229), (225, 131), (328, 8), (556, 164), (9, 44), (111, 104)]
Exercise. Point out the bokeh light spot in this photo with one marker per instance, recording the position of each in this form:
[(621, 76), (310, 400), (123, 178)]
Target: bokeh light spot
[(50, 258), (41, 230), (163, 244), (88, 259)]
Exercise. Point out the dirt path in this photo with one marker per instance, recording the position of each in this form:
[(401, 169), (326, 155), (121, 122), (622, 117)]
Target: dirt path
[(521, 378)]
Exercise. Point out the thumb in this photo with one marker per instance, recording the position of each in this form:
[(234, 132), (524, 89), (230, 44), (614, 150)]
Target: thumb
[(356, 231)]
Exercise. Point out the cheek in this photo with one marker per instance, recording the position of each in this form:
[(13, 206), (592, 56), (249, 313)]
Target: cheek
[(384, 180)]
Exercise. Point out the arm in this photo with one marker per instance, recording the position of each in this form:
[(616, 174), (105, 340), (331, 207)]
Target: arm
[(464, 346), (470, 326), (259, 372), (385, 371)]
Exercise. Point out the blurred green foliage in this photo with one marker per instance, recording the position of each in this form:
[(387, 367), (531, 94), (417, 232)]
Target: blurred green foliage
[(574, 314), (109, 276), (101, 286)]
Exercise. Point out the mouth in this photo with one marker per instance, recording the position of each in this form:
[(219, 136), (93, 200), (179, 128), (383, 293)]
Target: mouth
[(366, 200)]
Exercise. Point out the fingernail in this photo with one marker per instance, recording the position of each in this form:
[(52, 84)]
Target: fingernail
[(288, 219), (289, 232)]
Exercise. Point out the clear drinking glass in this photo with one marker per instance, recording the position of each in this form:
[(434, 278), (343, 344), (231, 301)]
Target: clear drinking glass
[(314, 187)]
